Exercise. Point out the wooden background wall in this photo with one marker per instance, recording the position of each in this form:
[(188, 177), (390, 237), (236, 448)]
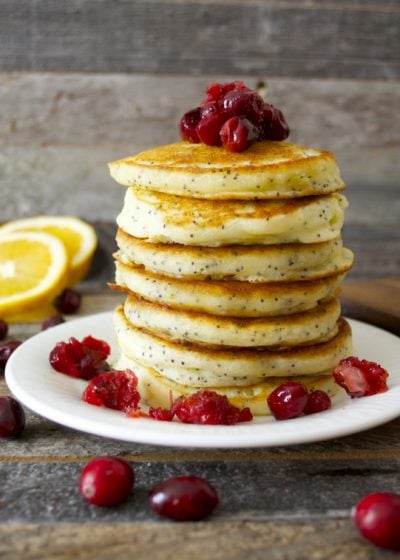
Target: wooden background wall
[(86, 81)]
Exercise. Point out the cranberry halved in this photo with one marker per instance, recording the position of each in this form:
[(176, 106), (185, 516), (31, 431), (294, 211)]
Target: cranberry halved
[(360, 378)]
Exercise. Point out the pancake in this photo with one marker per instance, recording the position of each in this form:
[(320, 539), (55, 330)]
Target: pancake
[(250, 263), (201, 328), (156, 390), (226, 297), (165, 218), (265, 170), (186, 363)]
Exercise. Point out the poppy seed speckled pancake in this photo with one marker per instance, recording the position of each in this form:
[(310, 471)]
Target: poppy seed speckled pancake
[(185, 362), (226, 297), (156, 390), (165, 218), (265, 170), (308, 327), (250, 263)]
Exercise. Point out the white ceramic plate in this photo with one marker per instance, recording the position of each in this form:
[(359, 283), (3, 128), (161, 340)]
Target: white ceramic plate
[(58, 397)]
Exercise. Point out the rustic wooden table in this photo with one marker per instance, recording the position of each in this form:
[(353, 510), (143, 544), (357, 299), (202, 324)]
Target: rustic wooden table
[(279, 503)]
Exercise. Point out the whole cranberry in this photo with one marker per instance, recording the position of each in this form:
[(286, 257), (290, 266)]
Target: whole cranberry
[(106, 481), (69, 301), (52, 321), (238, 133), (12, 417), (6, 349), (317, 402), (183, 498), (288, 400), (3, 329), (245, 103), (188, 124), (377, 517), (275, 126), (209, 127), (215, 91)]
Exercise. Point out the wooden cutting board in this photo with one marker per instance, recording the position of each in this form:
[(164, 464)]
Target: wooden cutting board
[(374, 301)]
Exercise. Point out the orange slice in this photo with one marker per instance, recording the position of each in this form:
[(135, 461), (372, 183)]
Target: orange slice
[(33, 270), (78, 237)]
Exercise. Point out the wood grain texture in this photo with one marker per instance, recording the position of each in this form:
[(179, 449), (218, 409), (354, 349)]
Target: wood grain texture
[(280, 38), (233, 540), (377, 302)]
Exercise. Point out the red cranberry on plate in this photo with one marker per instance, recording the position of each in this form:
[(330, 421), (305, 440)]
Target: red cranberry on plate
[(360, 378), (317, 401), (288, 400)]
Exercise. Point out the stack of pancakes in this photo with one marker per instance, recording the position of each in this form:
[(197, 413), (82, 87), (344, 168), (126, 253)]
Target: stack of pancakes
[(232, 264)]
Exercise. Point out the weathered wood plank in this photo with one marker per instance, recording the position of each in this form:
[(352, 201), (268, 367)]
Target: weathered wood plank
[(279, 38), (249, 490), (236, 540)]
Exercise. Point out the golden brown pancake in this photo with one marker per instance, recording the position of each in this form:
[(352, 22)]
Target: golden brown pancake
[(250, 263), (166, 218), (201, 328), (157, 390), (226, 297), (189, 363), (266, 170)]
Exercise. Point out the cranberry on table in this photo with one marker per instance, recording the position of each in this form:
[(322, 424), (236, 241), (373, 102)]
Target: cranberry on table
[(12, 417), (288, 400), (6, 349), (317, 401), (183, 498), (106, 481), (377, 517), (360, 378), (3, 329), (68, 301), (52, 321)]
